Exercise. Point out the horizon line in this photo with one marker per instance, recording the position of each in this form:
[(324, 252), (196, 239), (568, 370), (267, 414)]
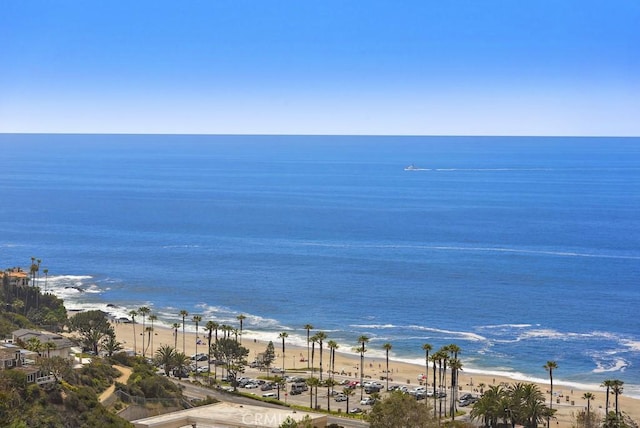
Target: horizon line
[(321, 135)]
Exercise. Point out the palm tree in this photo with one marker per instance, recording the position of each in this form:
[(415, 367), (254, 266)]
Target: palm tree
[(38, 288), (225, 331), (589, 396), (181, 362), (314, 340), (209, 327), (308, 327), (455, 365), (617, 390), (320, 336), (149, 332), (241, 318), (165, 357), (175, 326), (184, 314), (434, 359), (196, 319), (49, 346), (550, 366), (426, 348), (283, 336), (489, 407), (216, 326), (34, 345), (332, 345), (387, 347), (362, 341), (329, 383), (46, 275), (32, 271), (453, 352), (348, 392), (442, 355), (133, 314), (608, 384), (313, 383), (152, 318), (143, 311)]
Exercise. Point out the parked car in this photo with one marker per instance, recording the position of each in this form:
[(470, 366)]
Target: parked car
[(466, 396), (355, 410), (468, 401), (200, 357), (180, 373), (251, 385), (266, 387), (341, 397), (367, 401), (298, 388)]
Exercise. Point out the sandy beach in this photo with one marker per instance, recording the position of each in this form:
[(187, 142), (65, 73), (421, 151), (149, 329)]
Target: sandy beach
[(568, 401)]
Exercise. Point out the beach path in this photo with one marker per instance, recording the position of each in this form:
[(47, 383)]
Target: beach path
[(126, 372)]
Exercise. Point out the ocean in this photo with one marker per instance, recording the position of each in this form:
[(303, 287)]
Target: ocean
[(518, 250)]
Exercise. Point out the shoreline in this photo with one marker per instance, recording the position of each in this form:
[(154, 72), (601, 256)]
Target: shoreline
[(527, 370), (568, 399)]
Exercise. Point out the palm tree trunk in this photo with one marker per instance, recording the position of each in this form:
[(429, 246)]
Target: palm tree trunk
[(320, 360), (387, 369), (434, 388)]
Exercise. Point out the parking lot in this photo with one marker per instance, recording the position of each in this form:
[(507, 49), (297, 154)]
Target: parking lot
[(331, 398)]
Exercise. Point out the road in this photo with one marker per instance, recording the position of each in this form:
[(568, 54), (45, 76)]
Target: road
[(193, 391)]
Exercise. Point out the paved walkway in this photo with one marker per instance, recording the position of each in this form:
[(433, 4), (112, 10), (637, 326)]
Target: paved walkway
[(126, 372)]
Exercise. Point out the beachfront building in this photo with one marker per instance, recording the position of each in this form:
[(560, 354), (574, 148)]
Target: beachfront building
[(14, 277), (13, 358), (61, 345)]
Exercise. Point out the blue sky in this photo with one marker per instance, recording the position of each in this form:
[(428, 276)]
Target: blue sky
[(454, 67)]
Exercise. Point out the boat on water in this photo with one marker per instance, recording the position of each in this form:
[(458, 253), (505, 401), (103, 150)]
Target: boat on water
[(412, 167)]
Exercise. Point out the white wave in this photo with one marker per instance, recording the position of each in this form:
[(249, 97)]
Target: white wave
[(94, 289), (68, 278), (552, 334), (493, 169), (633, 345), (465, 335), (618, 365), (555, 253), (534, 252), (505, 326), (521, 377), (169, 247), (373, 326)]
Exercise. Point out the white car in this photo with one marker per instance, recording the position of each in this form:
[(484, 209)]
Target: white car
[(367, 401), (251, 385)]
